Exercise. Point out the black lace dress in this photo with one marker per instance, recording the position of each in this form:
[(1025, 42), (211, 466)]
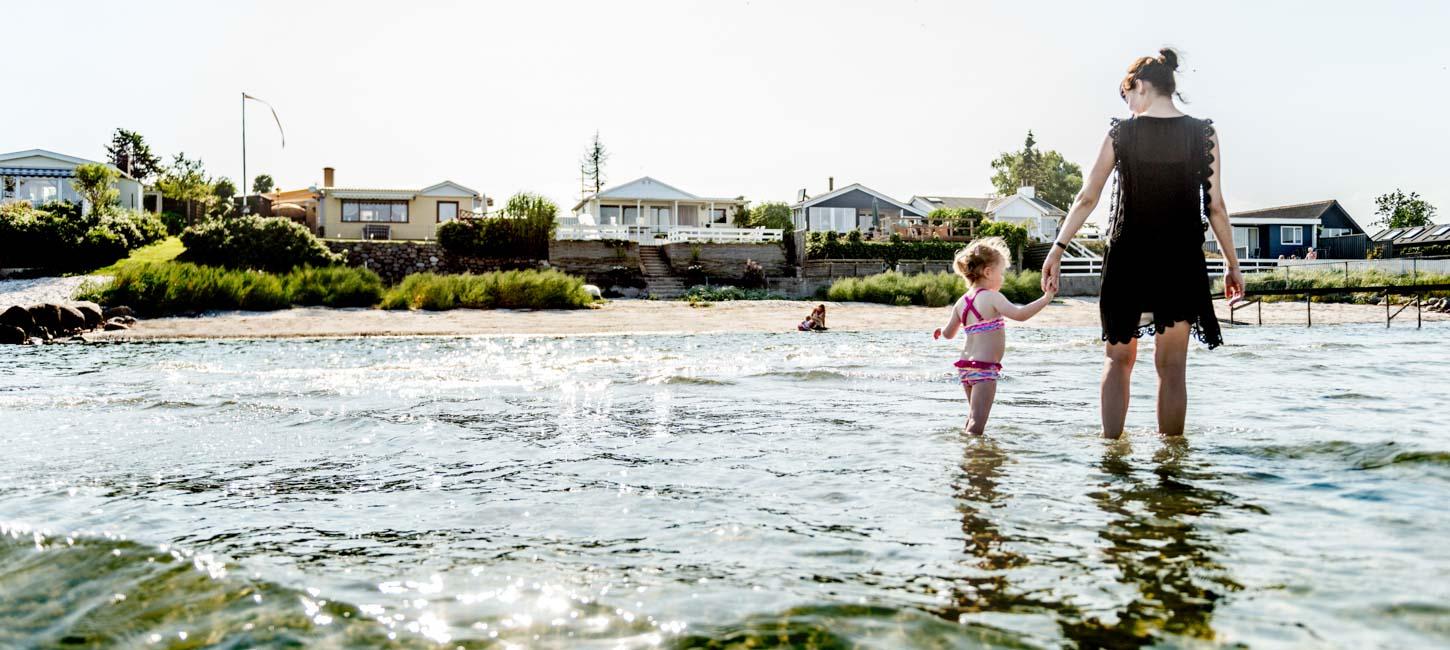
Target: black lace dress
[(1154, 273)]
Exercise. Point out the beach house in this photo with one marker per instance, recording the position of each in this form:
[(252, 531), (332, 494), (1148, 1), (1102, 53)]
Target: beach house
[(338, 212), (853, 207), (650, 211), (1024, 208), (1288, 230), (38, 176)]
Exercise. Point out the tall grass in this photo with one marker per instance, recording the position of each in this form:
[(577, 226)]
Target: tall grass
[(1327, 278), (527, 289), (929, 289), (169, 288)]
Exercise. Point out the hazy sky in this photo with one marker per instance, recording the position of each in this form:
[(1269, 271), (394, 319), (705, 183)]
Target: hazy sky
[(1313, 100)]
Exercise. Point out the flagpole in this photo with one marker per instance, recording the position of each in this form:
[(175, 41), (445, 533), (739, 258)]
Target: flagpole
[(246, 205)]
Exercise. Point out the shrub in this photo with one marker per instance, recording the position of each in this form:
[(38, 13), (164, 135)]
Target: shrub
[(57, 236), (168, 288), (1295, 278), (929, 289), (175, 222), (495, 290), (754, 276), (1013, 234), (273, 244), (723, 293), (522, 232)]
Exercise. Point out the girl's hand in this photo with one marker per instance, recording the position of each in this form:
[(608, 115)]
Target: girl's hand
[(1050, 268), (937, 334)]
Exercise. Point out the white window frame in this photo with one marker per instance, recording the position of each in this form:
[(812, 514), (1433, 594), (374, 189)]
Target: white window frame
[(1284, 235)]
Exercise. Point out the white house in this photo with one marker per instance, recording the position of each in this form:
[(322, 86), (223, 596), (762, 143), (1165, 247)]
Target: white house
[(1042, 219), (38, 176), (651, 212)]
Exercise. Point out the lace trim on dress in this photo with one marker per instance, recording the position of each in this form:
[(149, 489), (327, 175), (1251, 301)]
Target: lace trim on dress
[(1154, 328), (1115, 199), (1205, 170)]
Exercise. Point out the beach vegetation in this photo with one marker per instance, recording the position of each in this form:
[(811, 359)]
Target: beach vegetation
[(274, 244), (926, 289), (725, 293), (57, 236), (171, 288), (521, 231), (526, 289), (1291, 278)]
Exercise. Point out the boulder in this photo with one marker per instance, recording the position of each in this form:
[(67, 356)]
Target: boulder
[(12, 335), (17, 316), (113, 324), (117, 311), (71, 319), (91, 311), (46, 315)]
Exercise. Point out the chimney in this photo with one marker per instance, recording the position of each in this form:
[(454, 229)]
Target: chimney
[(327, 176), (830, 183), (1027, 191)]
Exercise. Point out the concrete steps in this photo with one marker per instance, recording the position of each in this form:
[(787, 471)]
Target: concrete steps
[(660, 280)]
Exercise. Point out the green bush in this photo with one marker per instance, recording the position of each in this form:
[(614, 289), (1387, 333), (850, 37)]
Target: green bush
[(724, 293), (57, 236), (169, 288), (494, 290), (829, 245), (272, 244), (522, 232), (928, 289), (1300, 278)]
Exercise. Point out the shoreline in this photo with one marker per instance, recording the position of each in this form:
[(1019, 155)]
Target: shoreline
[(636, 317)]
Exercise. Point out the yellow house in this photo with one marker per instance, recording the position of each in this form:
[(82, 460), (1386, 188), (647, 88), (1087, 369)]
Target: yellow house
[(378, 213)]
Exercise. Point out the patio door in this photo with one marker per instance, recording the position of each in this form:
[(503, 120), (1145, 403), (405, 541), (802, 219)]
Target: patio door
[(1246, 242)]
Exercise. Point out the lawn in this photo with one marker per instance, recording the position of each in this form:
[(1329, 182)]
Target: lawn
[(162, 251)]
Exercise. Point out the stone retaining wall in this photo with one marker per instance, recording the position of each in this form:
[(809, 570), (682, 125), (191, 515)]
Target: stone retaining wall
[(727, 261), (599, 262), (394, 260), (842, 268)]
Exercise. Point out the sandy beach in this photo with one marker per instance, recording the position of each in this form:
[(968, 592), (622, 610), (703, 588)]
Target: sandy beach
[(644, 316)]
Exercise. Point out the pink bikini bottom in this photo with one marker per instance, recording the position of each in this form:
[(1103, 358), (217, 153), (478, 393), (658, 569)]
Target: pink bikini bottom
[(976, 372)]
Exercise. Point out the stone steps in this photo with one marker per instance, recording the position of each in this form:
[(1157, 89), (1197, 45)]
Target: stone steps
[(660, 279)]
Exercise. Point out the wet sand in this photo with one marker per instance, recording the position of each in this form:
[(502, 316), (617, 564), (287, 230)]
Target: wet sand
[(646, 317)]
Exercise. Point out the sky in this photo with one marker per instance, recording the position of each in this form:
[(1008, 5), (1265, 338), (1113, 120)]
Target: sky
[(1312, 100)]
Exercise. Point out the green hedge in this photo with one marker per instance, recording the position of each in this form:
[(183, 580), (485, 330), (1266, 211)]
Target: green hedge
[(522, 232), (57, 236), (831, 245), (725, 293), (274, 244), (928, 289), (1326, 278), (494, 290), (169, 288)]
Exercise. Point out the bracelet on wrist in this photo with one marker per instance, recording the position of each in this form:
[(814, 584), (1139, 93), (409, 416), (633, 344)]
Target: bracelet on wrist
[(1060, 245)]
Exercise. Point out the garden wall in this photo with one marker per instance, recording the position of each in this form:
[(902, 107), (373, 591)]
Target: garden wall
[(394, 260), (593, 258), (842, 268), (727, 261)]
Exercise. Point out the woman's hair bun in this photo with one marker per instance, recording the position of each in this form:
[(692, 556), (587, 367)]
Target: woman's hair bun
[(1169, 58)]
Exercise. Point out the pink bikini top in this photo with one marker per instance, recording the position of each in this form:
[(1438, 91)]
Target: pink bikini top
[(981, 326)]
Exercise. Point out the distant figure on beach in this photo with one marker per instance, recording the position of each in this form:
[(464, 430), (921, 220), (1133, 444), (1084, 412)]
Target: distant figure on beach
[(1281, 257), (1312, 254), (978, 314), (1167, 191), (815, 322)]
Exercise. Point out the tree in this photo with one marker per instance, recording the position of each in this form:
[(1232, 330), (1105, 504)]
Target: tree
[(185, 180), (961, 219), (592, 167), (1400, 210), (262, 184), (129, 152), (224, 190), (773, 214), (1056, 180), (95, 182)]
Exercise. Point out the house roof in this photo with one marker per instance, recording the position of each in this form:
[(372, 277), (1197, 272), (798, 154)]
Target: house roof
[(58, 157), (986, 204), (857, 186), (646, 188), (1433, 233), (396, 193), (1298, 211)]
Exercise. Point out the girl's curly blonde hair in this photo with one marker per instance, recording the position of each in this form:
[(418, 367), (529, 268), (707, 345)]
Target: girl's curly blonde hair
[(973, 261)]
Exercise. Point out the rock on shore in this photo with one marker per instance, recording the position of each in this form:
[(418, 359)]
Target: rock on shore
[(49, 321)]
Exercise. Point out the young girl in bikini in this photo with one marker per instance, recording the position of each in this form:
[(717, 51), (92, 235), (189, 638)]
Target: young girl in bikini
[(979, 315)]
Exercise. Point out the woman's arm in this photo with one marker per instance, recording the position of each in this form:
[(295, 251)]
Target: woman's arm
[(953, 324), (1082, 208), (1233, 279), (1018, 312)]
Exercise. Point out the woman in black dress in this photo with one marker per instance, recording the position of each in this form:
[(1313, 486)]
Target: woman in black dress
[(1155, 281)]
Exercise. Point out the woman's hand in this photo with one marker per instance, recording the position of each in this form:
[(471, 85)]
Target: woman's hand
[(1051, 268), (1233, 284)]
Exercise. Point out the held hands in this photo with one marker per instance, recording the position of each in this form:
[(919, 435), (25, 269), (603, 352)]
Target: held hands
[(1051, 268), (936, 335)]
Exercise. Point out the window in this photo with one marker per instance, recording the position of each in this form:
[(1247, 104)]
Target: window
[(1335, 232), (375, 211), (608, 215), (8, 185), (1291, 235), (447, 211), (1444, 230), (631, 215), (659, 216), (38, 190), (1414, 232), (717, 216)]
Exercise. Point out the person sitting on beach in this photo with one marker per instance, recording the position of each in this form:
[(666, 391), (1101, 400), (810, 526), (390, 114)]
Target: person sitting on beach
[(978, 314), (816, 322)]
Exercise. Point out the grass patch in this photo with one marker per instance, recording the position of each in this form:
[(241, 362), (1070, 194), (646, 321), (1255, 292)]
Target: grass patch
[(1297, 279), (527, 289), (928, 289), (162, 251), (170, 288)]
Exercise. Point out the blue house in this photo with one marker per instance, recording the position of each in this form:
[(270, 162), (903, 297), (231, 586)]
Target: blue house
[(854, 207), (1289, 230)]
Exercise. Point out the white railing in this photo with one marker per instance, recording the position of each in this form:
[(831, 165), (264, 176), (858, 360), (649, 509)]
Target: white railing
[(1248, 265), (1082, 265), (686, 234), (587, 233)]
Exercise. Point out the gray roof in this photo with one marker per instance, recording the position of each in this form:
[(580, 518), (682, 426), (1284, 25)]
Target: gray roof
[(1313, 210), (955, 202), (1431, 234), (1047, 206)]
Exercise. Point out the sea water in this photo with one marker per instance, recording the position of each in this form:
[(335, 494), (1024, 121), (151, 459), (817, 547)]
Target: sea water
[(719, 490)]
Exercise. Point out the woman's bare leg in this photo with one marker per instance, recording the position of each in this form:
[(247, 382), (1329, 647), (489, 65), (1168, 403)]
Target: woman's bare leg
[(1117, 385), (1170, 356), (980, 399)]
